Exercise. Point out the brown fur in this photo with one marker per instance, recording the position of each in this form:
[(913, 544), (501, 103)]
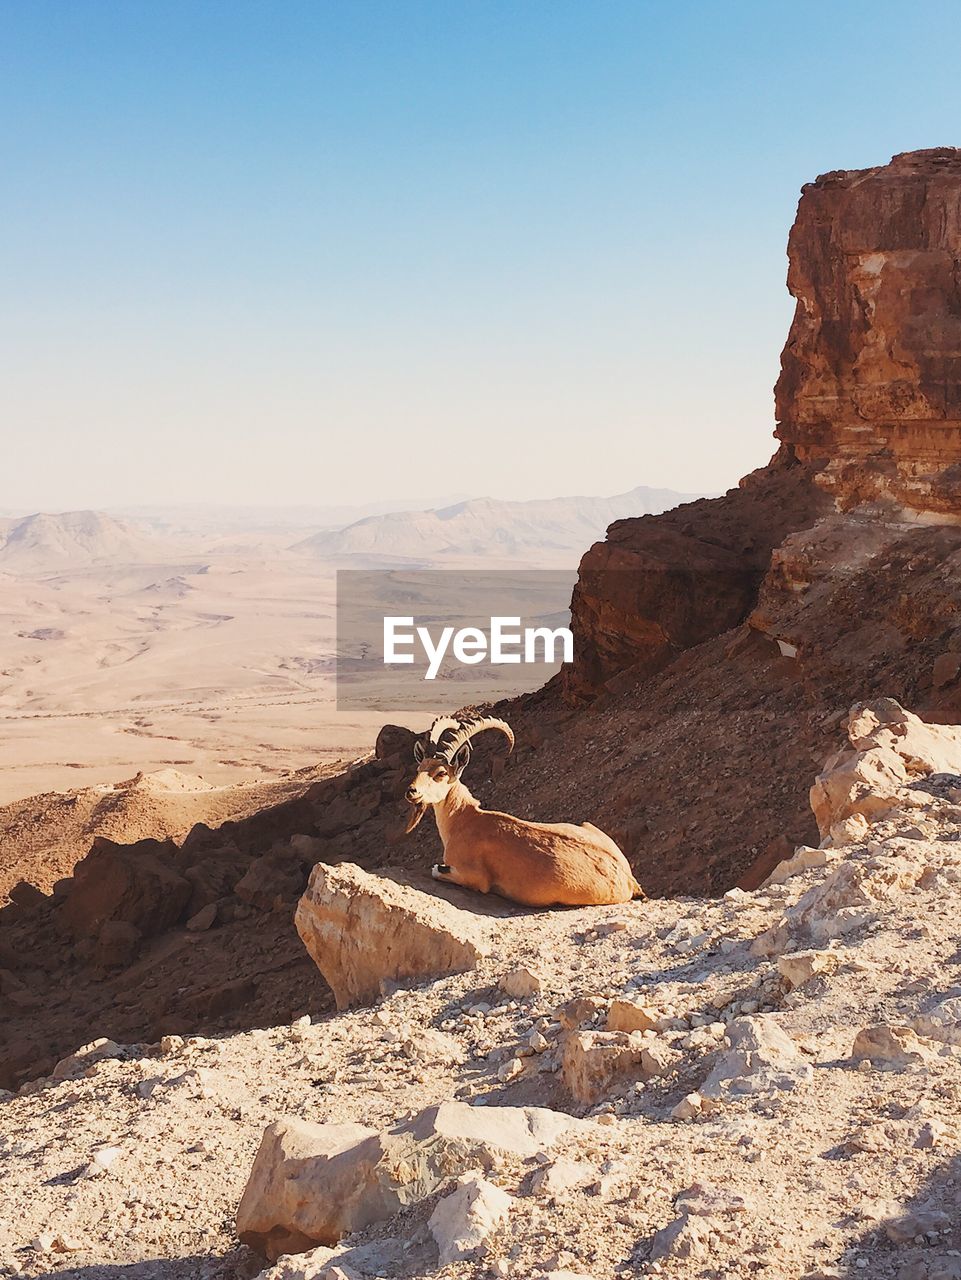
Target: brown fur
[(537, 864)]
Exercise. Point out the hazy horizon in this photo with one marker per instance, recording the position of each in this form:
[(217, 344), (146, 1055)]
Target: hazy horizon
[(349, 512), (260, 255)]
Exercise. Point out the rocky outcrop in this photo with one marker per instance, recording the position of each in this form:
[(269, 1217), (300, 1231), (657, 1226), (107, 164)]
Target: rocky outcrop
[(311, 1184), (868, 406), (890, 750), (870, 385), (761, 1059), (363, 931), (462, 1221), (661, 584), (136, 884)]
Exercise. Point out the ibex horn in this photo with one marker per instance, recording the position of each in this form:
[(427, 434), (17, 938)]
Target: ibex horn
[(462, 731)]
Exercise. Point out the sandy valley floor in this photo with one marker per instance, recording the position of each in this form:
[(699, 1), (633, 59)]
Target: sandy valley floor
[(222, 665)]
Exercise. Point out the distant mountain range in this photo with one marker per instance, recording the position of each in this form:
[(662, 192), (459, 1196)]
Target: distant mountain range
[(213, 518), (476, 528), (490, 526), (70, 539)]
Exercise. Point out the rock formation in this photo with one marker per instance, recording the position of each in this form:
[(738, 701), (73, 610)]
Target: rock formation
[(868, 407), (890, 750), (364, 931), (662, 584), (312, 1184), (870, 385)]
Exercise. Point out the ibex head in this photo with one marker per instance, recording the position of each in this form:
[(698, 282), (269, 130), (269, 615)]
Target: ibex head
[(442, 756)]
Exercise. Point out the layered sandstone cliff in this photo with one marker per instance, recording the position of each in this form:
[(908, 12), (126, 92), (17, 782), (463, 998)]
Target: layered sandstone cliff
[(870, 385), (661, 584), (869, 414)]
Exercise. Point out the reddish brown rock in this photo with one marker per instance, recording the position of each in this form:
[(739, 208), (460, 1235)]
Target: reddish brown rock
[(270, 882), (136, 884), (946, 669), (870, 379), (662, 584), (213, 876)]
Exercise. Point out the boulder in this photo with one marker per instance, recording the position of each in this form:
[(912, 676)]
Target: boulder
[(628, 1015), (592, 1062), (75, 1064), (311, 1184), (395, 745), (762, 1059), (582, 1009), (688, 1236), (137, 884), (270, 882), (894, 1046), (204, 919), (921, 1222), (689, 1107), (472, 1133), (595, 1063), (363, 931), (462, 1221), (852, 830), (799, 967), (802, 859), (520, 984), (890, 748), (866, 784), (560, 1176), (942, 1021), (28, 896)]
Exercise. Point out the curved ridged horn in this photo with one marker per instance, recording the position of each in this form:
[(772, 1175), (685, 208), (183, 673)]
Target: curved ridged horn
[(462, 732), (440, 725)]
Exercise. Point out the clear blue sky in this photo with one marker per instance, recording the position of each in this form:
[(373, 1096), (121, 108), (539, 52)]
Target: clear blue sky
[(307, 251)]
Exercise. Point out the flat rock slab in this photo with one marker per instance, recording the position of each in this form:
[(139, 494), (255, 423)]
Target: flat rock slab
[(364, 930)]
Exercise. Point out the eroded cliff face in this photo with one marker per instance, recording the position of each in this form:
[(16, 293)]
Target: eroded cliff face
[(869, 415), (661, 584), (870, 385)]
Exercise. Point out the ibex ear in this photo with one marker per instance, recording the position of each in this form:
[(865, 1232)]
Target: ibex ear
[(419, 750), (462, 759)]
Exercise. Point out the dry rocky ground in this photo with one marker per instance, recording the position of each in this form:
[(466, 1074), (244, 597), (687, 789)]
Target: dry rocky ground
[(44, 836), (786, 1105)]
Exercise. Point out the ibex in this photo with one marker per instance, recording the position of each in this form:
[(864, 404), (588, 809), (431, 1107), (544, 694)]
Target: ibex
[(538, 864)]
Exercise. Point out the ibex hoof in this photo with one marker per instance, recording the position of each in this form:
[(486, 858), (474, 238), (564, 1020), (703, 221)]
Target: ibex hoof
[(440, 870)]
